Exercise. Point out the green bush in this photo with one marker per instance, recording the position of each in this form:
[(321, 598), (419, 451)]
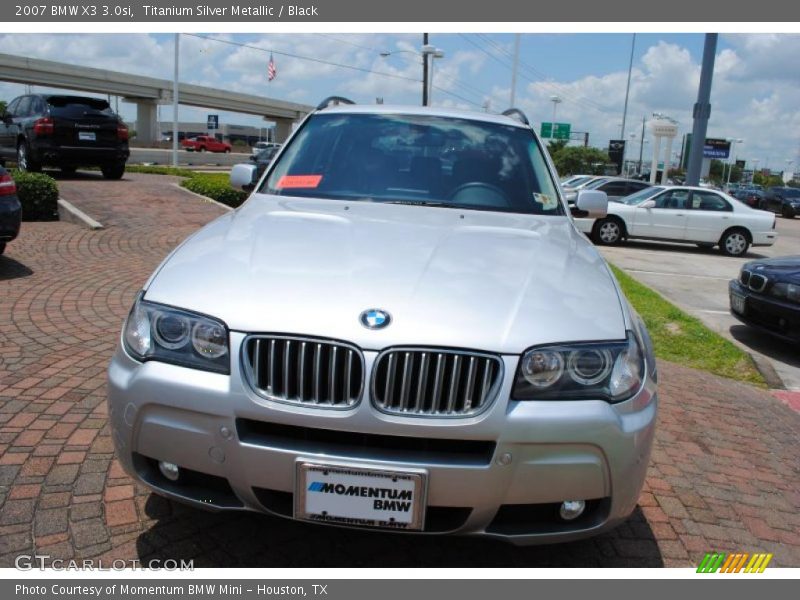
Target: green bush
[(159, 170), (38, 194), (216, 187)]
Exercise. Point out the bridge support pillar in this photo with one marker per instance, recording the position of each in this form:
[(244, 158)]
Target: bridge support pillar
[(146, 121), (283, 128)]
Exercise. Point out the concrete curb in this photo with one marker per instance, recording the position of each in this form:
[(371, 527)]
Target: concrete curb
[(764, 366), (204, 198), (71, 214)]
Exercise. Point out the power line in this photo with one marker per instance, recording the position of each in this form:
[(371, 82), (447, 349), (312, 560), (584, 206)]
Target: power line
[(585, 103), (328, 62)]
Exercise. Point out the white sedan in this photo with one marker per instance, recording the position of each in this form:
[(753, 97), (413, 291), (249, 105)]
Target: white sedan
[(684, 214)]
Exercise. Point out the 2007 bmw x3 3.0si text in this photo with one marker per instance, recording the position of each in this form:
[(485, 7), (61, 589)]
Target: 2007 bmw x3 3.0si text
[(401, 329)]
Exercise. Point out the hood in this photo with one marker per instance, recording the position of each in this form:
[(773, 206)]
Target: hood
[(786, 268), (471, 279)]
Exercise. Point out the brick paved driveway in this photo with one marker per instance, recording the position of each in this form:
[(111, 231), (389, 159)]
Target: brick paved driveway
[(725, 473)]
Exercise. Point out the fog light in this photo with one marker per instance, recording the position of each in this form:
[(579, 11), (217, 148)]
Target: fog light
[(571, 509), (171, 471)]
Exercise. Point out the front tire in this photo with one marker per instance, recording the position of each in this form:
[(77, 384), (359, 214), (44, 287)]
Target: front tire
[(734, 243), (607, 232), (787, 213), (115, 171), (24, 161)]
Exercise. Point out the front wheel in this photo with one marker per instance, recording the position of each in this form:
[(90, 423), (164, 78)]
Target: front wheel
[(115, 171), (607, 232), (734, 243), (787, 213)]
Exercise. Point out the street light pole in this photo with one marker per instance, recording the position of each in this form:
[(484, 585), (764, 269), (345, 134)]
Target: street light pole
[(175, 104), (702, 110), (730, 168)]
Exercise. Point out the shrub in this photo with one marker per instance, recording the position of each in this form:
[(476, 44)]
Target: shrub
[(159, 170), (38, 194), (216, 187)]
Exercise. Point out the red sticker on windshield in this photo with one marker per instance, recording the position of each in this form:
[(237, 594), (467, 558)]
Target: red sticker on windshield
[(299, 181)]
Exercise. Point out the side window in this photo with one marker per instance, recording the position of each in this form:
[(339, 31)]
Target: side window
[(709, 201), (11, 109), (613, 188), (674, 199), (38, 106), (23, 109)]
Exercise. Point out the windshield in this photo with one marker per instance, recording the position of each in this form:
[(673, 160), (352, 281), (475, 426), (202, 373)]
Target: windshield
[(416, 159), (576, 180), (640, 196)]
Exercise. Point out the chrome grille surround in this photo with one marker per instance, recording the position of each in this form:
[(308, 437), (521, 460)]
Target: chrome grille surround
[(435, 382), (304, 371)]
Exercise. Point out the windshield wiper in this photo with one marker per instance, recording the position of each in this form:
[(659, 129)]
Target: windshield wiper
[(419, 203)]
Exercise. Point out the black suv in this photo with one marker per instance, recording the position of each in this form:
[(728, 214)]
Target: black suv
[(64, 131), (782, 200)]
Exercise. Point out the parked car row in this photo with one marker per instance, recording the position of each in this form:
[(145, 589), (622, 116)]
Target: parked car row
[(67, 132)]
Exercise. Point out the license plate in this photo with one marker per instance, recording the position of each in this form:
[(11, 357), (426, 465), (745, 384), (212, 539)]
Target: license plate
[(362, 497), (87, 136), (738, 303)]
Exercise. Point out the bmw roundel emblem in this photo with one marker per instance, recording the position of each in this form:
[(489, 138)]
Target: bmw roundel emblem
[(375, 318)]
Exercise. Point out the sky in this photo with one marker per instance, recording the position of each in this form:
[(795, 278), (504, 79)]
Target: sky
[(755, 95)]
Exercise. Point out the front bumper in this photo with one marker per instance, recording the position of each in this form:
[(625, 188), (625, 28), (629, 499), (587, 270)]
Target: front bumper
[(498, 474), (772, 315), (764, 238)]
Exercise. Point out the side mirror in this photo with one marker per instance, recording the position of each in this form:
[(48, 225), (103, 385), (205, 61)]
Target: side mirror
[(243, 176), (648, 204), (591, 204)]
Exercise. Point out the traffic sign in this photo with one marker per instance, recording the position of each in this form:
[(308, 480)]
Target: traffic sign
[(556, 131), (213, 122)]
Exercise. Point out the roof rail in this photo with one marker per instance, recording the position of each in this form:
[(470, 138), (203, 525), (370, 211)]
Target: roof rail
[(333, 100), (516, 114)]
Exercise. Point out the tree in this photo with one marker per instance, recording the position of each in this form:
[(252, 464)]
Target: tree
[(571, 160), (556, 146)]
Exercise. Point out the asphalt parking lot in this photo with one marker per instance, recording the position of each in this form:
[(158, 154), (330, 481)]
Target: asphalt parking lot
[(724, 473), (697, 281)]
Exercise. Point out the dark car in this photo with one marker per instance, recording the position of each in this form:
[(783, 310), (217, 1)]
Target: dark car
[(68, 132), (782, 200), (753, 197), (767, 296), (262, 158), (10, 209)]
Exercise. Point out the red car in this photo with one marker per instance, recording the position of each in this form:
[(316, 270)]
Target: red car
[(201, 143)]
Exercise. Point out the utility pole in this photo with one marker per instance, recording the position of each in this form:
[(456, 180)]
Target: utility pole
[(702, 110), (627, 90), (424, 71), (514, 70)]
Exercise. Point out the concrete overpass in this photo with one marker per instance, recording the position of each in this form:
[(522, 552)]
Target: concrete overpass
[(148, 92)]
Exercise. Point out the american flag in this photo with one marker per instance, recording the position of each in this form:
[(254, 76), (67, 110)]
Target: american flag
[(272, 72)]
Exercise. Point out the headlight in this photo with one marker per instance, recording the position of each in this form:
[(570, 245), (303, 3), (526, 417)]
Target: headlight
[(787, 291), (157, 332), (611, 371)]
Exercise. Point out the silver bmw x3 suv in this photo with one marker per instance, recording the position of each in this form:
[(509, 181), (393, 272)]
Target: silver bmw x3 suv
[(400, 329)]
